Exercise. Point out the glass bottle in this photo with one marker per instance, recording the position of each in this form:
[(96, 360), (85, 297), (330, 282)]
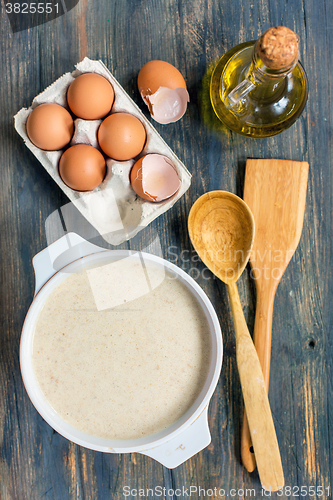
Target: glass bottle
[(259, 88)]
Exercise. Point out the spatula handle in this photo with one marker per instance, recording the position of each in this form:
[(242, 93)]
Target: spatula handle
[(262, 336), (257, 407)]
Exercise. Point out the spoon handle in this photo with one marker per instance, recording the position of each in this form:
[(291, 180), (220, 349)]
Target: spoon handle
[(261, 425), (262, 336)]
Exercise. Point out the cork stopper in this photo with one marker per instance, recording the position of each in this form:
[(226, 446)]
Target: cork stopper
[(278, 47)]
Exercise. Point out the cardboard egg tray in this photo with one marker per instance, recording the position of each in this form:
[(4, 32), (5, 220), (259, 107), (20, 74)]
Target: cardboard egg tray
[(113, 208)]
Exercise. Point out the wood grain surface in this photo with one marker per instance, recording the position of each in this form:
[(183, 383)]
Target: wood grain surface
[(36, 462)]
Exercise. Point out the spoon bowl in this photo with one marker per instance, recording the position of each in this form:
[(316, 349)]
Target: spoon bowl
[(221, 228)]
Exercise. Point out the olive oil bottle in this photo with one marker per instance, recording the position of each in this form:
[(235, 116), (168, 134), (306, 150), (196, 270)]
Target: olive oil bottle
[(259, 88)]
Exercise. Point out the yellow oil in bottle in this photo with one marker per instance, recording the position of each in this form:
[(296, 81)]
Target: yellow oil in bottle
[(271, 106)]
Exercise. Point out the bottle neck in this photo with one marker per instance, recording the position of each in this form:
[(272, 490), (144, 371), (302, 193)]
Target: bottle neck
[(262, 73), (261, 81)]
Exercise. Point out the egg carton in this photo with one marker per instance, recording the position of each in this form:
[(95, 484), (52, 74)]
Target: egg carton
[(113, 208)]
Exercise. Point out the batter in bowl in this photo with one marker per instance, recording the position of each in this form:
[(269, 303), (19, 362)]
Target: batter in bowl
[(122, 350)]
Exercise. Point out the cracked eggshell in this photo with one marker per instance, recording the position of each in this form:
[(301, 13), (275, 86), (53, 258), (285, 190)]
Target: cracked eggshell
[(155, 178), (163, 89)]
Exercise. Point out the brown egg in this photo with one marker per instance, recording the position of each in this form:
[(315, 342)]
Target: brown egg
[(50, 126), (90, 96), (163, 89), (82, 167), (154, 178), (122, 136)]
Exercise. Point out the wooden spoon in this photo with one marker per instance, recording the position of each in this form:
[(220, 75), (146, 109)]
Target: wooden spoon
[(221, 228)]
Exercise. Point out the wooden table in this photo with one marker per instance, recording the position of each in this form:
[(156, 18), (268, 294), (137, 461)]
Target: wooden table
[(37, 463)]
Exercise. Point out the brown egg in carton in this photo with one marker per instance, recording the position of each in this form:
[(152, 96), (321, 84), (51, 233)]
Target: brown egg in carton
[(113, 208)]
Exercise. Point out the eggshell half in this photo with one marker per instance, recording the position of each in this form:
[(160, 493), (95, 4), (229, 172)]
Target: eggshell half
[(155, 178), (156, 74), (163, 89)]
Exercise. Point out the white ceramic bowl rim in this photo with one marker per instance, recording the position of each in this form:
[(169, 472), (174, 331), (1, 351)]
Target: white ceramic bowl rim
[(92, 442)]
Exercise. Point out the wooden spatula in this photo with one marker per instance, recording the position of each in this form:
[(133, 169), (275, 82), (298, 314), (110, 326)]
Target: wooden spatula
[(275, 191)]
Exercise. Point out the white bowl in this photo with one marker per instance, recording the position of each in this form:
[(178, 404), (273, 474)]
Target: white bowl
[(177, 443)]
